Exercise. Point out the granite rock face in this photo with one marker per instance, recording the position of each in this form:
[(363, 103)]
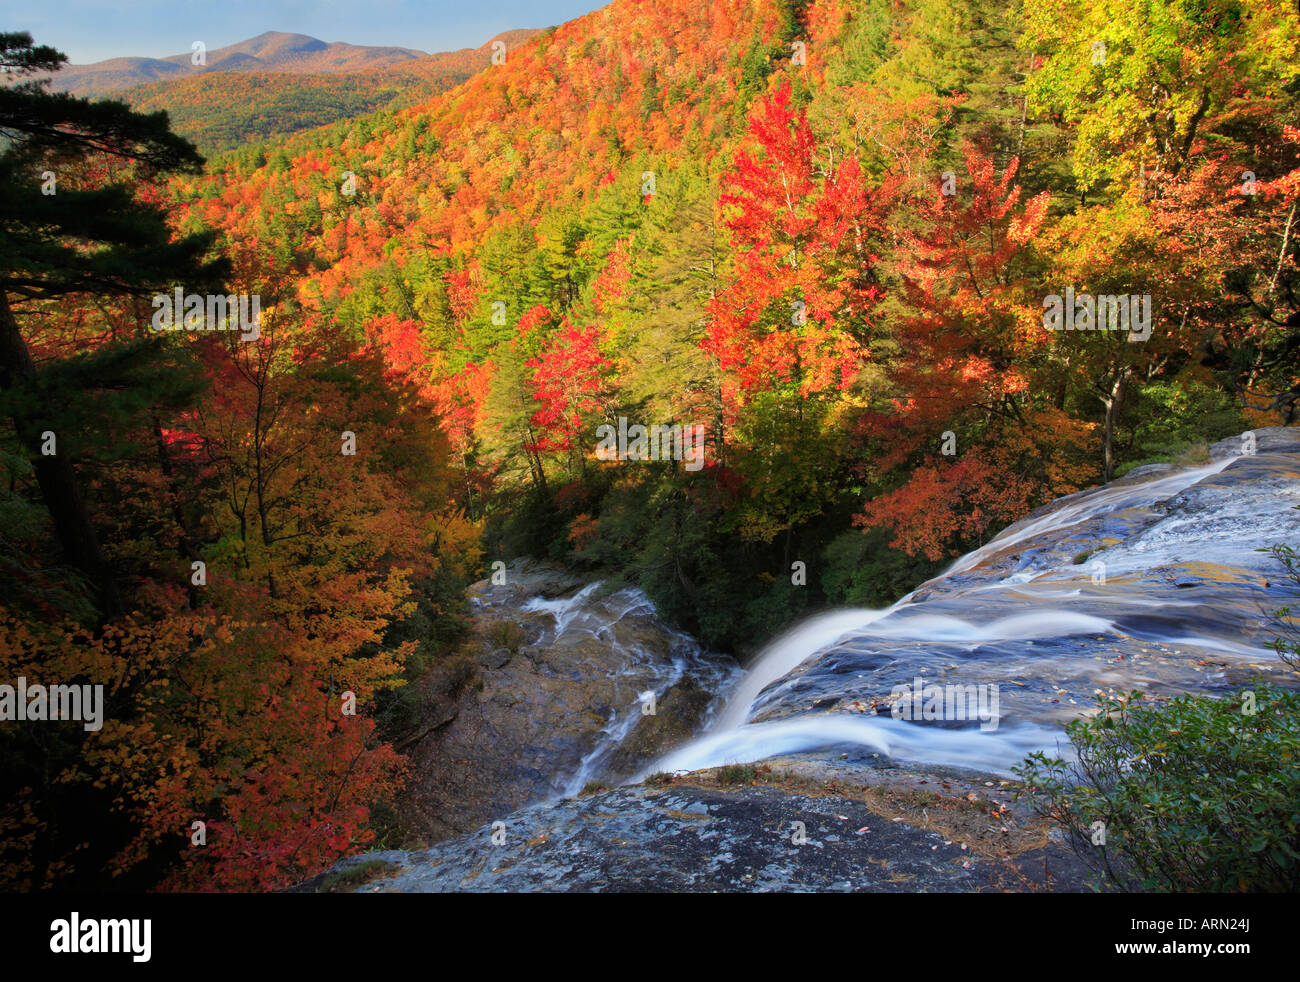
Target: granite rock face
[(805, 831)]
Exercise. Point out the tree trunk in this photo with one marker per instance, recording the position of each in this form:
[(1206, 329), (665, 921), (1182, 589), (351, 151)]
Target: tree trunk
[(1111, 402), (54, 475), (1024, 110), (1062, 390)]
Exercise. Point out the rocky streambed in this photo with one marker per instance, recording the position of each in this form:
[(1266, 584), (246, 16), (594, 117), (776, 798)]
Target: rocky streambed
[(572, 682), (796, 774)]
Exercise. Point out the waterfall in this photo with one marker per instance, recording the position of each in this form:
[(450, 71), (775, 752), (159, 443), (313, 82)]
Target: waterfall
[(992, 614), (641, 675)]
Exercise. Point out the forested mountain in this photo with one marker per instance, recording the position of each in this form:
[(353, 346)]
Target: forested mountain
[(271, 51), (618, 199), (829, 233), (220, 111)]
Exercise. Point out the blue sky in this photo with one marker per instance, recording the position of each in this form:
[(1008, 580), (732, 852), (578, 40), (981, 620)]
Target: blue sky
[(92, 30)]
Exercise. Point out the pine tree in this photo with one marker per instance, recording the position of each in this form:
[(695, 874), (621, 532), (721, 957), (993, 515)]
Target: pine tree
[(44, 254)]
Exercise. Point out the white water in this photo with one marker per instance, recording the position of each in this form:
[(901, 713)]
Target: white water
[(564, 610), (787, 653), (992, 751), (733, 739), (612, 735), (1090, 504), (600, 618)]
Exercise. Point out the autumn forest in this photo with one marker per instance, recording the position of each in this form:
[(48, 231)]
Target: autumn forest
[(911, 269)]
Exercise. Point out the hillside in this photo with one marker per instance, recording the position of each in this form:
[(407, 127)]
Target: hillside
[(272, 51), (600, 209), (242, 104)]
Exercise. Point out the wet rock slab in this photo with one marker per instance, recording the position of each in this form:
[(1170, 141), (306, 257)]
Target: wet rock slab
[(691, 839), (1167, 591)]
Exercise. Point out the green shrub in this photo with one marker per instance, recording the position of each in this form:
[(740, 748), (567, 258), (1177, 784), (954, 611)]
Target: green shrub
[(507, 634), (1196, 794), (1288, 619), (1172, 420), (737, 774), (861, 568), (347, 880)]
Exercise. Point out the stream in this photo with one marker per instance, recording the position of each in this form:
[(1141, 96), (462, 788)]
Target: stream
[(1156, 582)]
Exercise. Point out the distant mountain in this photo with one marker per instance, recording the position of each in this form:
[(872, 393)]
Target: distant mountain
[(237, 98), (273, 51)]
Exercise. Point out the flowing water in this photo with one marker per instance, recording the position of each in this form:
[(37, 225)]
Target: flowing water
[(643, 672), (1026, 614), (1156, 582)]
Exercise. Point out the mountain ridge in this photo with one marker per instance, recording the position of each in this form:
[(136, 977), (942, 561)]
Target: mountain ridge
[(271, 51)]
